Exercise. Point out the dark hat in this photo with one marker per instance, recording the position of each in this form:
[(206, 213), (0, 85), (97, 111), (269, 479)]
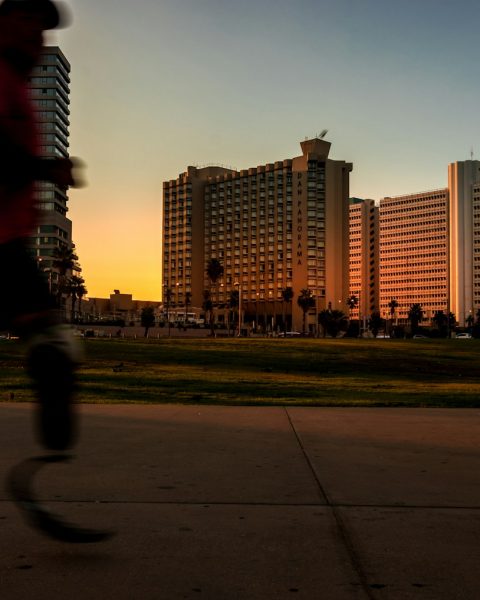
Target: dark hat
[(46, 9)]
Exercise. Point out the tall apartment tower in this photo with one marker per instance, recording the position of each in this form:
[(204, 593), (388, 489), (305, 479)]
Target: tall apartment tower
[(464, 188), (364, 256), (414, 253), (50, 88), (283, 224)]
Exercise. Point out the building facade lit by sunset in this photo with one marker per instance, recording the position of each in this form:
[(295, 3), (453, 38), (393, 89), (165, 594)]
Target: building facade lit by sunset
[(282, 224), (464, 209), (430, 247), (49, 86), (364, 256), (414, 252)]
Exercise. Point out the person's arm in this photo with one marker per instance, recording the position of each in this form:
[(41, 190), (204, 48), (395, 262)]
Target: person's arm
[(19, 167)]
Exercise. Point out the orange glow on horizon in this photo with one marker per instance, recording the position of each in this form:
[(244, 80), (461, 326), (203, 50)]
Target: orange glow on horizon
[(118, 248)]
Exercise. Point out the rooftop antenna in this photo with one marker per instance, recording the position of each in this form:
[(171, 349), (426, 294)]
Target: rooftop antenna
[(471, 153), (321, 135)]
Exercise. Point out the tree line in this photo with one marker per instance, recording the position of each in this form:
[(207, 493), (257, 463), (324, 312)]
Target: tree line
[(332, 321)]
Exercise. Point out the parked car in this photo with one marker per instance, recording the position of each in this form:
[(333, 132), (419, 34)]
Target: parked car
[(291, 333), (464, 336), (419, 336)]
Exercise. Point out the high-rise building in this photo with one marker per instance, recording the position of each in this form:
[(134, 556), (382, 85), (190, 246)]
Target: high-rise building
[(414, 253), (283, 224), (464, 207), (364, 256), (430, 247), (50, 88), (184, 233)]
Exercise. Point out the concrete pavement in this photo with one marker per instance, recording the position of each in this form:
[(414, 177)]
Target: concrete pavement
[(252, 503)]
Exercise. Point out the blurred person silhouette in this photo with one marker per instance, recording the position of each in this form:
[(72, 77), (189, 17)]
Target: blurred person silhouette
[(26, 306)]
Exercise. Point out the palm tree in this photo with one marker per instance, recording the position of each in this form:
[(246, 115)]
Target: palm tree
[(324, 317), (415, 315), (287, 296), (305, 301), (147, 318), (392, 305), (332, 321), (375, 322), (214, 272), (81, 292), (75, 288), (452, 321), (445, 323), (337, 322), (234, 302), (440, 319), (64, 261), (352, 302), (207, 306)]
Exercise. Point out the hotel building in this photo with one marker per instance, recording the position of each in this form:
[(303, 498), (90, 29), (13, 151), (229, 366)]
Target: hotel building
[(283, 224), (364, 256), (49, 86)]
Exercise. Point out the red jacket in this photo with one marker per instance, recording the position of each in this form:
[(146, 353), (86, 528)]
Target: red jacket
[(18, 150)]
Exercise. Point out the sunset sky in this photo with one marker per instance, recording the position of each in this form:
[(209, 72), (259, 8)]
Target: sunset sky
[(161, 84)]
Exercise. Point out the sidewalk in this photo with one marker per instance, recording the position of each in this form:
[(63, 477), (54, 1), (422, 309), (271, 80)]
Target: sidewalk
[(252, 503)]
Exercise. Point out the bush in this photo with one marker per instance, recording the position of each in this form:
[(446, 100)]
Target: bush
[(398, 332), (353, 330)]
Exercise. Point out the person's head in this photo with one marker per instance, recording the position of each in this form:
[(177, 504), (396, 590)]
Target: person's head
[(22, 23)]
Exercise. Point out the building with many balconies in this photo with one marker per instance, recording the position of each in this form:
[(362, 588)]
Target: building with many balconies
[(414, 253), (364, 257), (430, 247), (279, 225), (49, 86)]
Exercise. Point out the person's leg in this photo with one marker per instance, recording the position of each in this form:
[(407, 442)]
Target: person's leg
[(29, 311), (25, 302)]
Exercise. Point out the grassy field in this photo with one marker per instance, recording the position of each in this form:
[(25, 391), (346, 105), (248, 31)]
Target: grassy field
[(305, 372)]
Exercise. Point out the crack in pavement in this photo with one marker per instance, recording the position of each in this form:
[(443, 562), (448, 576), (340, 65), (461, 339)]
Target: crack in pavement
[(344, 534)]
